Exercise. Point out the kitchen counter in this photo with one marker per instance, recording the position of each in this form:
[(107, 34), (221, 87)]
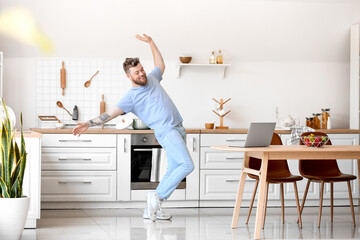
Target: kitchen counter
[(188, 130), (100, 131), (29, 134)]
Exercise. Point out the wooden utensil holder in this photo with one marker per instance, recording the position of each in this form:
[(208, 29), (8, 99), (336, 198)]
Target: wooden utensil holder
[(221, 102)]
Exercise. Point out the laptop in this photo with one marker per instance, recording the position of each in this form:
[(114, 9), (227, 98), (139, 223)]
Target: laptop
[(259, 134)]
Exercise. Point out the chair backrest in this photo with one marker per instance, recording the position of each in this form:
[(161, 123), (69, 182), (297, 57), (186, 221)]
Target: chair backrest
[(276, 168), (318, 167)]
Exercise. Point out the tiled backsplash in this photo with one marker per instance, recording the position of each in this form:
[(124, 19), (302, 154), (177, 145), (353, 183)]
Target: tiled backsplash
[(110, 81)]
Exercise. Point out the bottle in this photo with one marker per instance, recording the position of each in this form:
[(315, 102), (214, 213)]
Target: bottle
[(219, 58), (329, 123), (75, 115), (212, 59)]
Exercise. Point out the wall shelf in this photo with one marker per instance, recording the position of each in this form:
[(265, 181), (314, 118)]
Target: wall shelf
[(221, 66)]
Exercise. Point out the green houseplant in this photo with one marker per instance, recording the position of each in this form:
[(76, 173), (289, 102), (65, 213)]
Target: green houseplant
[(13, 205)]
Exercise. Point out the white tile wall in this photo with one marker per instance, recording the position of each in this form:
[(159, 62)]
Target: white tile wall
[(110, 81)]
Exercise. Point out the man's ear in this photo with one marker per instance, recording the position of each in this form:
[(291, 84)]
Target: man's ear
[(128, 76)]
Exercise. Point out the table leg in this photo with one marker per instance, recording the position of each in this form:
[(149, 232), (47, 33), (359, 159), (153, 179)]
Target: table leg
[(260, 206), (239, 195)]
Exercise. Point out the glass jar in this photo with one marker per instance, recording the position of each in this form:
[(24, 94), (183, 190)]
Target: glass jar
[(325, 114), (311, 122), (317, 120), (307, 122)]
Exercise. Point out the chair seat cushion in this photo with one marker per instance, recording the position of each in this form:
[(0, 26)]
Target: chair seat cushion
[(280, 179), (338, 178)]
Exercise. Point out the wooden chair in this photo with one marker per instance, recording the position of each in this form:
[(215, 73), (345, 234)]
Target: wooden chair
[(278, 172), (324, 171)]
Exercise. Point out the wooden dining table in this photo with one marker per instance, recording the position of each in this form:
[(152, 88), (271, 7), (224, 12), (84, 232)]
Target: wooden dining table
[(273, 152)]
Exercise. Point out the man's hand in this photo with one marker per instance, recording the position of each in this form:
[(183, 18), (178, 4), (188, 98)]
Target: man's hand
[(80, 128), (145, 38)]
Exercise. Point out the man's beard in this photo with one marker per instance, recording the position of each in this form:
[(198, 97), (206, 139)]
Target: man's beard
[(139, 82)]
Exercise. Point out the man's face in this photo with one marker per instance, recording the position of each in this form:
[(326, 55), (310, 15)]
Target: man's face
[(137, 75)]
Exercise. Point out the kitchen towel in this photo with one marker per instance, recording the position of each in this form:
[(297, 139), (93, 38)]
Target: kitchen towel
[(296, 131)]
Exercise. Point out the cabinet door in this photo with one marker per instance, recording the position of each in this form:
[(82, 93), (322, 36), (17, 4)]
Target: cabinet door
[(123, 167), (348, 166), (84, 186), (32, 179), (79, 159), (192, 181), (223, 185)]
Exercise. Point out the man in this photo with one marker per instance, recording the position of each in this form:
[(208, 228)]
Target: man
[(149, 101)]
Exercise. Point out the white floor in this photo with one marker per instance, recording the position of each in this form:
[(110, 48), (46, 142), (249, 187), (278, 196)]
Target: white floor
[(190, 223)]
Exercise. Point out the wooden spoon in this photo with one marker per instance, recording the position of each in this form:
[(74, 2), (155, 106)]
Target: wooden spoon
[(87, 83), (60, 105)]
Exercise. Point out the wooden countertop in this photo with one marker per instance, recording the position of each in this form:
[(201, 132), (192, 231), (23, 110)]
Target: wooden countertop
[(28, 134), (188, 130)]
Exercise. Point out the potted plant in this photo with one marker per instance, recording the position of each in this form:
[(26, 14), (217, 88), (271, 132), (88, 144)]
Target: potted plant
[(13, 205)]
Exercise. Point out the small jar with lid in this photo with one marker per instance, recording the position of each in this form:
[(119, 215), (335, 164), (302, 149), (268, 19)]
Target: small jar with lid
[(325, 114), (317, 120), (308, 123), (311, 122)]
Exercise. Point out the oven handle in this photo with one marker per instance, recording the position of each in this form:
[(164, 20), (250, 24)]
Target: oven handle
[(142, 150)]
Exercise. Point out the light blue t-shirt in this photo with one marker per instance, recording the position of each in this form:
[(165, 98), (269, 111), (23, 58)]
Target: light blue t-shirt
[(152, 104)]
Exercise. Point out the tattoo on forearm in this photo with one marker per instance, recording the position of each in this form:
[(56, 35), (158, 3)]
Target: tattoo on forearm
[(99, 120)]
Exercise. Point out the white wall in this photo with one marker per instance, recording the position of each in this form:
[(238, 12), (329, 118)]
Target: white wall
[(293, 54)]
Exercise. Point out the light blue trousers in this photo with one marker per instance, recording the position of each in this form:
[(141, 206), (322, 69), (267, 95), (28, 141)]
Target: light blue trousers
[(179, 163)]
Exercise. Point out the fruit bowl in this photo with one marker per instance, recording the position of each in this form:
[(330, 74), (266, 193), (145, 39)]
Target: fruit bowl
[(314, 141)]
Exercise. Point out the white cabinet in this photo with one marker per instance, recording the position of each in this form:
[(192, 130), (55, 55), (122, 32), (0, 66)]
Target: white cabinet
[(220, 170), (32, 179), (124, 167), (346, 166), (78, 168), (192, 181)]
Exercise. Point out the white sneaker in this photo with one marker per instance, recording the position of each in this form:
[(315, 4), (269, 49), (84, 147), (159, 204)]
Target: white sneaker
[(161, 215), (153, 205)]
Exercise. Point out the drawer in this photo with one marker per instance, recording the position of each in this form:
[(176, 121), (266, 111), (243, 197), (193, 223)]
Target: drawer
[(215, 159), (208, 140), (223, 185), (78, 159), (85, 140), (85, 186)]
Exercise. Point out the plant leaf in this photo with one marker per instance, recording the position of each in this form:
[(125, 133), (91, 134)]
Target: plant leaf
[(15, 189), (17, 152), (4, 189), (5, 150)]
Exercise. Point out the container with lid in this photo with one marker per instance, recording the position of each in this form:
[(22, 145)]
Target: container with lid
[(325, 115), (316, 120)]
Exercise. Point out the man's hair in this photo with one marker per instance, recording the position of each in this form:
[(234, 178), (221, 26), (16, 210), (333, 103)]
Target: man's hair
[(129, 63)]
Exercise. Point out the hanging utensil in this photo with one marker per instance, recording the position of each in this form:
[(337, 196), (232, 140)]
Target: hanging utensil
[(63, 78), (60, 105), (87, 83)]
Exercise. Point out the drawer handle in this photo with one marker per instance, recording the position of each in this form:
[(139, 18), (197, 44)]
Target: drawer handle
[(63, 140), (232, 158), (74, 181), (233, 140), (85, 159), (232, 180)]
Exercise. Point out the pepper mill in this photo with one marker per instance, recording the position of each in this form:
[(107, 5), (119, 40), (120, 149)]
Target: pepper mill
[(102, 108)]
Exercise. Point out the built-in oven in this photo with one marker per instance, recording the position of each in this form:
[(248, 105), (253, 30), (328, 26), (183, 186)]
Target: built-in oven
[(148, 162)]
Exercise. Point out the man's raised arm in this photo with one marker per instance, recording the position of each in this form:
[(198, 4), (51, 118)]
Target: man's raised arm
[(158, 59)]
